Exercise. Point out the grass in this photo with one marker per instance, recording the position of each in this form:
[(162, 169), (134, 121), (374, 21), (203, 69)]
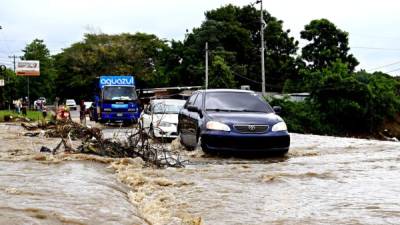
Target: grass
[(32, 115)]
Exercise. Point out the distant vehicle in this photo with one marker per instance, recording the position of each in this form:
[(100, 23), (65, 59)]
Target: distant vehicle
[(40, 102), (117, 100), (160, 118), (71, 104), (232, 120), (88, 105)]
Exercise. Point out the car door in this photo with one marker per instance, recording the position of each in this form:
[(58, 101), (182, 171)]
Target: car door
[(184, 121), (194, 121)]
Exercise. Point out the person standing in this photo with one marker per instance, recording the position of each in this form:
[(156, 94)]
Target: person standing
[(25, 105), (56, 103), (82, 112)]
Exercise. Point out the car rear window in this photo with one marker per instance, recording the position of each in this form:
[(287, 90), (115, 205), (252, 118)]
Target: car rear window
[(236, 101)]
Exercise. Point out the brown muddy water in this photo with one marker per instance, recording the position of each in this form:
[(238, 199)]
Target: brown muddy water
[(323, 180)]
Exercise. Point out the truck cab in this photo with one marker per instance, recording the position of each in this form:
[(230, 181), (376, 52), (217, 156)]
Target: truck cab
[(117, 100)]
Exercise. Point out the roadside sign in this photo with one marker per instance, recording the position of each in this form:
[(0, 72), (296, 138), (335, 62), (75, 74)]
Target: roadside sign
[(116, 81), (28, 68), (1, 83)]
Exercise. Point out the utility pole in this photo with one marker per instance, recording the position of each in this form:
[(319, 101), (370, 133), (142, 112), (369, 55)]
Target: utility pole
[(206, 65), (262, 46), (13, 57)]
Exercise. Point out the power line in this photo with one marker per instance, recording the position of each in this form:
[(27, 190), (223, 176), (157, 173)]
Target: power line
[(254, 81), (375, 36), (393, 70), (380, 67), (373, 48)]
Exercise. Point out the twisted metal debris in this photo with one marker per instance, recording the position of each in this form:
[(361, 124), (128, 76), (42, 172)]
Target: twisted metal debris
[(137, 144)]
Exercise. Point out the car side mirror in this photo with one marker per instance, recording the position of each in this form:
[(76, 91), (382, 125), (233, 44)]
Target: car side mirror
[(192, 108), (277, 109)]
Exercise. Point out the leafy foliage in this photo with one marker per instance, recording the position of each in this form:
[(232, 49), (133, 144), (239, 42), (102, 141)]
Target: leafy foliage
[(17, 86), (234, 31), (44, 84), (326, 45), (344, 103), (80, 65), (221, 76)]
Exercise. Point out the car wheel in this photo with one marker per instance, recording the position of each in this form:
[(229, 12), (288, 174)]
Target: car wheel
[(187, 147), (204, 147)]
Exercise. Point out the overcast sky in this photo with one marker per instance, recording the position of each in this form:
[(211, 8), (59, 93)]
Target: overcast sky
[(373, 25)]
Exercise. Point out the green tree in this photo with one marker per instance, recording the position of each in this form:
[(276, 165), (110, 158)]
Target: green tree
[(141, 55), (10, 91), (220, 74), (235, 31), (326, 44), (385, 96), (44, 84)]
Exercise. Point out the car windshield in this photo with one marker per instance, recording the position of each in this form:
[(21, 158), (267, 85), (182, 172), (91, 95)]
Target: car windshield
[(70, 102), (160, 108), (236, 102), (119, 93)]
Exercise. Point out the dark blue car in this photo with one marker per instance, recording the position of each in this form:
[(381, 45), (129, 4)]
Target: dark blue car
[(231, 120)]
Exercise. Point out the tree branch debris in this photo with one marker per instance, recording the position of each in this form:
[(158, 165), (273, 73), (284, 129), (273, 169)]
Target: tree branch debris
[(137, 143)]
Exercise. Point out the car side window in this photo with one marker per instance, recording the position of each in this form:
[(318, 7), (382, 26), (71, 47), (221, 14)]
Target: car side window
[(199, 101), (191, 100)]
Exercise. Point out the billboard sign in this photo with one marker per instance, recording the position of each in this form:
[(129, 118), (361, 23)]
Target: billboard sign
[(1, 83), (27, 68), (116, 81)]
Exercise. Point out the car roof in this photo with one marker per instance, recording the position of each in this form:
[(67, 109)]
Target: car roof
[(168, 101), (226, 90)]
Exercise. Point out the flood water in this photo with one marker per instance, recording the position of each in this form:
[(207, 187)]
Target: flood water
[(36, 191), (323, 180)]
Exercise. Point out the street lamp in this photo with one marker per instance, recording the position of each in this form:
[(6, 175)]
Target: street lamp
[(263, 25)]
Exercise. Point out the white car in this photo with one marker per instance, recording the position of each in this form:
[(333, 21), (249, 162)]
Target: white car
[(37, 104), (70, 103), (160, 117)]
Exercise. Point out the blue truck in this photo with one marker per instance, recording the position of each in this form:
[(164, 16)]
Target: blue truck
[(117, 100)]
